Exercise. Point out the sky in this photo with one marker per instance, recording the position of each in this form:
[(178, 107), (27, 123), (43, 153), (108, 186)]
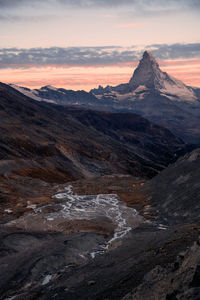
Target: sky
[(81, 44)]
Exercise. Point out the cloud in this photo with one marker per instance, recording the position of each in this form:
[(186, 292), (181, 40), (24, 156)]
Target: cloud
[(72, 56), (6, 37), (29, 19), (17, 3), (91, 56), (175, 51), (130, 25), (77, 3), (101, 3), (16, 10)]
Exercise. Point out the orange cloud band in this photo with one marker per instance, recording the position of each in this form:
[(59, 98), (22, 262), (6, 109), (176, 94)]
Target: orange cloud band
[(87, 77)]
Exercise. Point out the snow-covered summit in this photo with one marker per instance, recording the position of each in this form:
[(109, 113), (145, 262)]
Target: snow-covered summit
[(149, 74), (49, 87), (148, 77)]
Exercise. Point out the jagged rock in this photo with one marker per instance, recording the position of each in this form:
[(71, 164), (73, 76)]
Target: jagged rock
[(179, 281)]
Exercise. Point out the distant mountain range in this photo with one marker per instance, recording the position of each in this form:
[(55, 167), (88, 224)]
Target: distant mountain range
[(58, 96), (150, 92)]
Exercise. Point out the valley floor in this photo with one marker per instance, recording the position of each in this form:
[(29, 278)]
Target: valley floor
[(92, 239)]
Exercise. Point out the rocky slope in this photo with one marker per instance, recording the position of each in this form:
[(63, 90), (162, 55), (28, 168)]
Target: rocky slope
[(51, 266), (84, 143), (175, 192), (43, 144), (66, 232), (174, 198), (154, 259), (178, 280)]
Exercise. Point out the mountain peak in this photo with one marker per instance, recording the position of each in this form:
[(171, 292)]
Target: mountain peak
[(147, 72), (148, 56), (49, 87)]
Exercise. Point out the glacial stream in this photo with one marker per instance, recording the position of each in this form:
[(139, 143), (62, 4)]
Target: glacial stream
[(106, 210), (92, 206)]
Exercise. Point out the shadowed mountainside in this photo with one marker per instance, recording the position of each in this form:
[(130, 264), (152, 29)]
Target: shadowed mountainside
[(43, 145), (76, 143), (175, 192)]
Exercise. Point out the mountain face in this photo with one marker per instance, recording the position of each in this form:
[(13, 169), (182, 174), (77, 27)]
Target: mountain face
[(52, 143), (45, 130), (158, 97), (147, 74), (175, 192), (63, 175), (150, 92), (149, 77)]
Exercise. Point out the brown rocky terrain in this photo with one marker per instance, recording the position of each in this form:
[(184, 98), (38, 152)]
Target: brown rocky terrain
[(179, 280), (158, 259), (175, 192), (70, 181), (117, 273), (43, 144)]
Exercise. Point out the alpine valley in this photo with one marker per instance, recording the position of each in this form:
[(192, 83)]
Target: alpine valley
[(100, 191)]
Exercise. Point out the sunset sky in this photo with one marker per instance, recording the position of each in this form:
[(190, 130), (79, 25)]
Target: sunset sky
[(80, 44)]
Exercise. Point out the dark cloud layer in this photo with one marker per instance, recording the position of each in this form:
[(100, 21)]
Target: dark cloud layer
[(63, 56), (90, 56), (97, 3), (29, 19), (176, 51), (10, 10)]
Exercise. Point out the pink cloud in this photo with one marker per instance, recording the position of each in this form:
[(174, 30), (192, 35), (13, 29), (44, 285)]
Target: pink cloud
[(6, 37), (82, 77), (178, 62), (108, 16), (130, 25)]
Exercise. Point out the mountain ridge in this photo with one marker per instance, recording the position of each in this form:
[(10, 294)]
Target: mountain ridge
[(149, 76), (150, 93), (40, 129)]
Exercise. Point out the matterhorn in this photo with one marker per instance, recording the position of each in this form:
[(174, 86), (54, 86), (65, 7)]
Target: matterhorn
[(149, 76)]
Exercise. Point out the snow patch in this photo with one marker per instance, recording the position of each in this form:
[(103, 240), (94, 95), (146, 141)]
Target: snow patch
[(49, 87), (9, 211), (178, 89), (162, 227), (46, 279), (90, 206), (33, 94), (29, 93)]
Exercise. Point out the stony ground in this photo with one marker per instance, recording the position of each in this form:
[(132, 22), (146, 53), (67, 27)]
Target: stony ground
[(158, 259), (38, 262), (108, 276)]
